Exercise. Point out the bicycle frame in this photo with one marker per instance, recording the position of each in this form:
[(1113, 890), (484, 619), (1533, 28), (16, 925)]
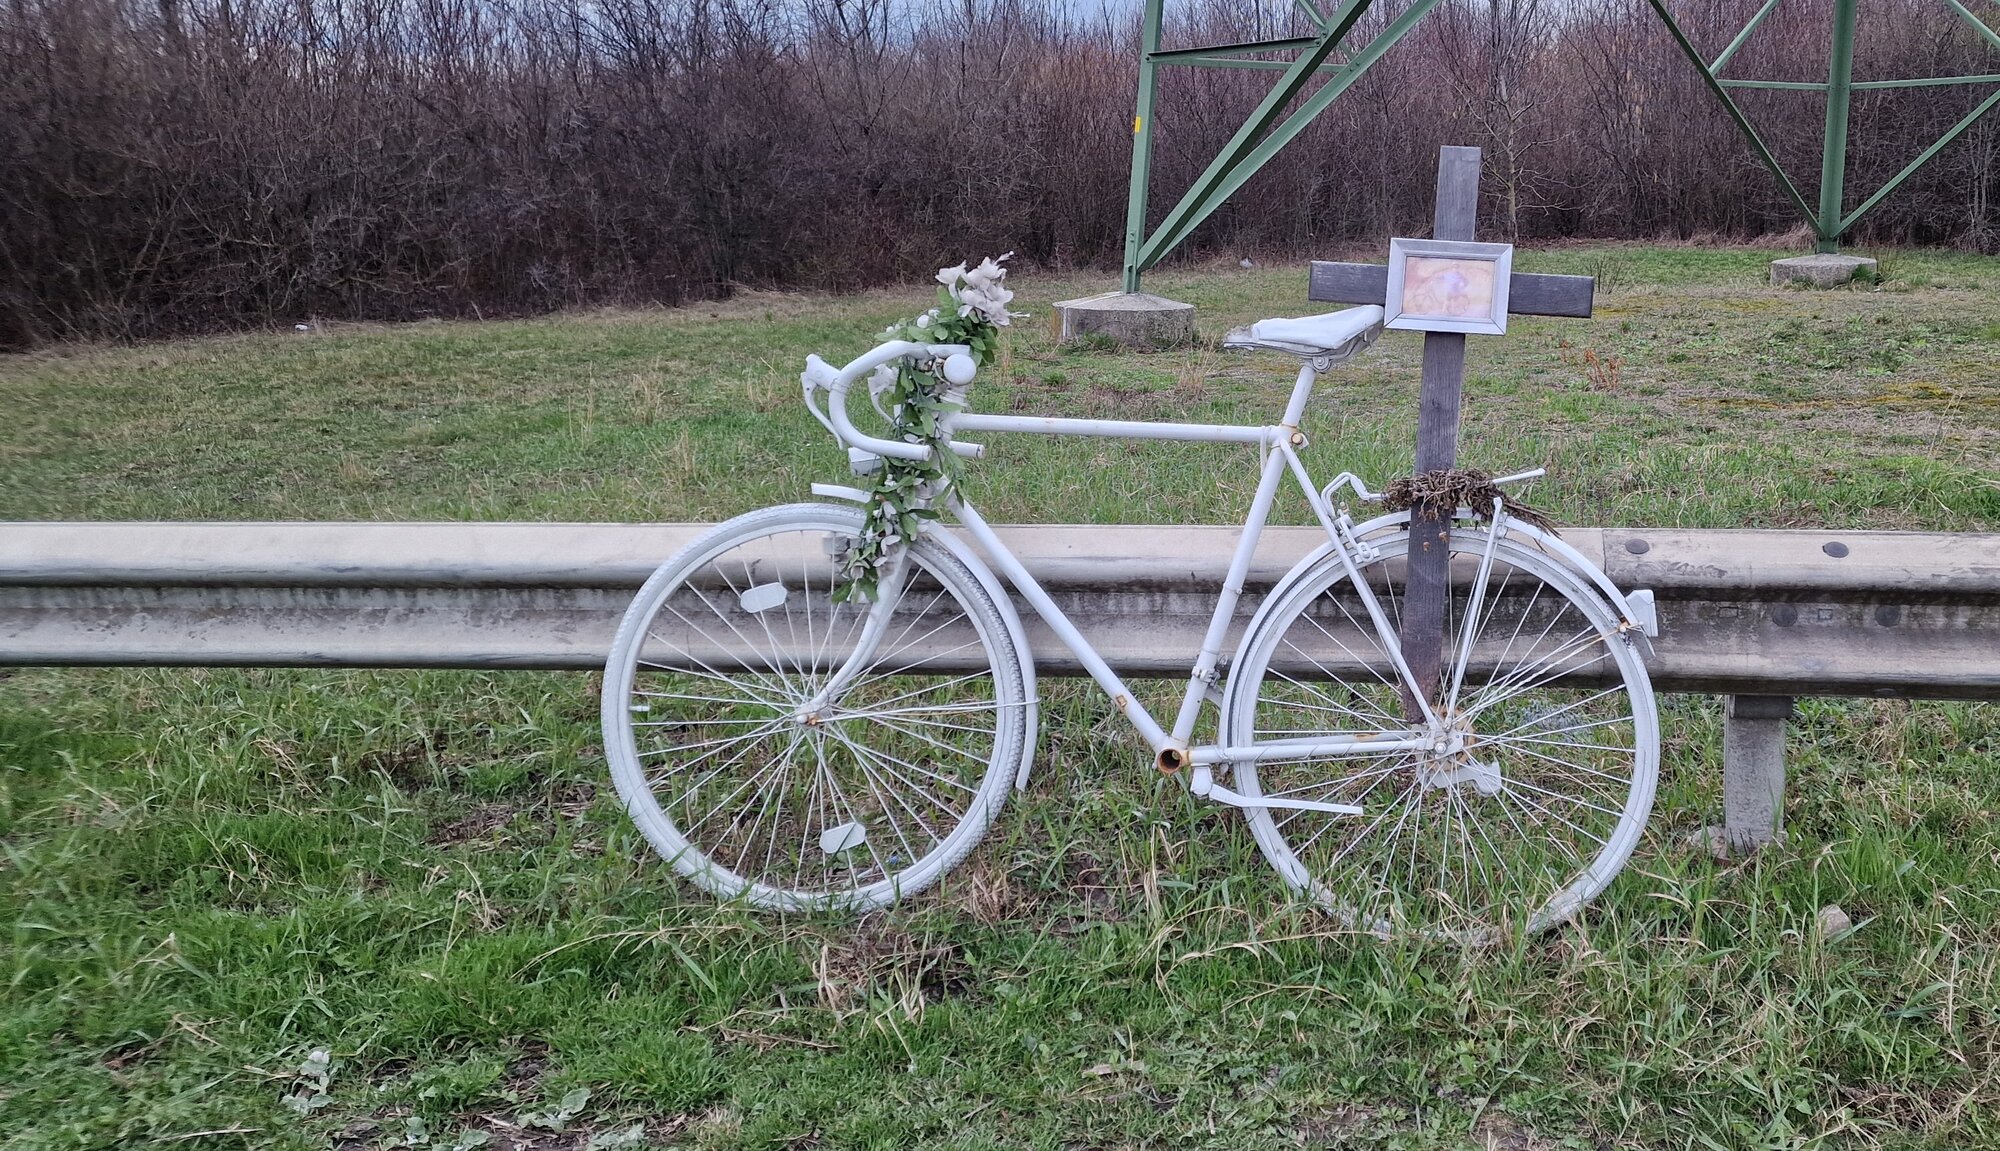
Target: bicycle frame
[(1277, 442)]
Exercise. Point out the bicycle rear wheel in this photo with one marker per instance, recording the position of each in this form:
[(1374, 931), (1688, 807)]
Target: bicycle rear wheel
[(1538, 787), (749, 777)]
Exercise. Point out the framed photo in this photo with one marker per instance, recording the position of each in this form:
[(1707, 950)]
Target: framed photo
[(1448, 286)]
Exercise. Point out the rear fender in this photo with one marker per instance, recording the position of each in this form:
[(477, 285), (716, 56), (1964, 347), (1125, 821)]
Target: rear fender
[(1636, 609)]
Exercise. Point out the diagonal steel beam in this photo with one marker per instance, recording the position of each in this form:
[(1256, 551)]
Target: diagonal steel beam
[(1735, 113), (1171, 231), (1980, 26), (1957, 130), (1766, 10), (1196, 204)]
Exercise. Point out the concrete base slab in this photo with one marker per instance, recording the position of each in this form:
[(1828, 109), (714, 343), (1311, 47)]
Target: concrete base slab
[(1134, 319), (1823, 270)]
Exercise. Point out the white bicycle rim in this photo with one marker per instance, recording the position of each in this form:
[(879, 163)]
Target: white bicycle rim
[(752, 795)]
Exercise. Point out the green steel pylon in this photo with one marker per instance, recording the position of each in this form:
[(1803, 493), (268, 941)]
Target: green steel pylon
[(1829, 223), (1262, 135)]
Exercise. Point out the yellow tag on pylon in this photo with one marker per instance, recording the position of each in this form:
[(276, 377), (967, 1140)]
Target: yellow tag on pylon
[(1136, 122)]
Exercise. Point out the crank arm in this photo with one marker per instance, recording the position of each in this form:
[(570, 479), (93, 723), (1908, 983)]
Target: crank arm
[(1221, 794)]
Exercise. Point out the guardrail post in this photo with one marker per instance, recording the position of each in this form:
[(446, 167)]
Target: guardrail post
[(1753, 769)]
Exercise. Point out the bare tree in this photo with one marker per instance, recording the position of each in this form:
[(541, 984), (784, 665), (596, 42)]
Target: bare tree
[(173, 166)]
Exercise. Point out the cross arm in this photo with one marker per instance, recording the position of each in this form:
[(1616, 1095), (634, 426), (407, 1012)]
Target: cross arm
[(1528, 294)]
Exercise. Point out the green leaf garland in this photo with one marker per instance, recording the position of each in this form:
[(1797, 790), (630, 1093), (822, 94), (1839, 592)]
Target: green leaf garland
[(920, 402)]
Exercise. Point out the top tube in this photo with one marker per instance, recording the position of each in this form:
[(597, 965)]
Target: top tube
[(1118, 429)]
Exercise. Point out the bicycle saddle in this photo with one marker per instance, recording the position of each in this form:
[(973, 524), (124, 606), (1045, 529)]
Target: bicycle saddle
[(1337, 334)]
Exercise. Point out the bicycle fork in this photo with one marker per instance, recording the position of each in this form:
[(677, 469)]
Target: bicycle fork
[(888, 592)]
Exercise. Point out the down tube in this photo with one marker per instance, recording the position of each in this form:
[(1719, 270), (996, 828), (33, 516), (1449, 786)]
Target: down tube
[(1122, 696)]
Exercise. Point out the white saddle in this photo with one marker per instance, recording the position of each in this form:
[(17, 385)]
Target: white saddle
[(1337, 334)]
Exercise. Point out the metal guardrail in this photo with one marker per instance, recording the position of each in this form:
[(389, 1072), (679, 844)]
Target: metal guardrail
[(1741, 612), (1759, 616)]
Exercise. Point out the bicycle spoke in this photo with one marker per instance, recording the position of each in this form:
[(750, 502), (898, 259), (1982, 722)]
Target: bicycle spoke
[(1434, 853), (705, 672), (714, 745), (933, 741), (1517, 781), (1622, 717), (775, 666), (763, 621), (763, 680), (882, 759), (862, 757)]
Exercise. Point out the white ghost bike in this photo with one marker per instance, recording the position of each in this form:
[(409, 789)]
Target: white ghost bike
[(799, 753)]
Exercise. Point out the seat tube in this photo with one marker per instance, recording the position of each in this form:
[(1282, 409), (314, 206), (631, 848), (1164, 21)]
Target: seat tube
[(1232, 588), (1301, 392)]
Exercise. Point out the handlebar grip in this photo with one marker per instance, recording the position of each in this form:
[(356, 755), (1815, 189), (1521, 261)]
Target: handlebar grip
[(843, 380), (818, 373)]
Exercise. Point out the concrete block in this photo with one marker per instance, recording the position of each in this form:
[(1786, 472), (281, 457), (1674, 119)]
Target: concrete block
[(1134, 319), (1822, 270)]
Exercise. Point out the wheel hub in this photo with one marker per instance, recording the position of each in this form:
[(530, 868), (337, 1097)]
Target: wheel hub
[(1450, 762)]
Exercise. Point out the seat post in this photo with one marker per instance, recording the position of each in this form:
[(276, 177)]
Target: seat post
[(1301, 392)]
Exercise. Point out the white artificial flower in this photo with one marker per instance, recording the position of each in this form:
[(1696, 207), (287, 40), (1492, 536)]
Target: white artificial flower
[(989, 301), (989, 271), (924, 321), (950, 277)]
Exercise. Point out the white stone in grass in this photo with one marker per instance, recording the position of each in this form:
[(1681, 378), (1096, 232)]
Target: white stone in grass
[(1833, 922), (1822, 270)]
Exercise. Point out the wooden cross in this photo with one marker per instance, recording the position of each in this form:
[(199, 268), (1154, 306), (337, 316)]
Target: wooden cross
[(1438, 398)]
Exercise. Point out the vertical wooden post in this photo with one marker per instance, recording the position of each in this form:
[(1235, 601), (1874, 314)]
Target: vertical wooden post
[(1437, 437)]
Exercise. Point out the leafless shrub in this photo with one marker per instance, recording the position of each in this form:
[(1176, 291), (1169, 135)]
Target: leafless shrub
[(171, 166)]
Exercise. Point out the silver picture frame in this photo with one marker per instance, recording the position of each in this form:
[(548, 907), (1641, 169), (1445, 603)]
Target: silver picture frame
[(1452, 286)]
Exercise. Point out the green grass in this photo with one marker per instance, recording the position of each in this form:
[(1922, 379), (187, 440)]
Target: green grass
[(207, 875), (1731, 403)]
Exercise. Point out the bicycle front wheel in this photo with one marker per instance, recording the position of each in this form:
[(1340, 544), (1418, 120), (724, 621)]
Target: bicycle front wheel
[(775, 749), (1523, 807)]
